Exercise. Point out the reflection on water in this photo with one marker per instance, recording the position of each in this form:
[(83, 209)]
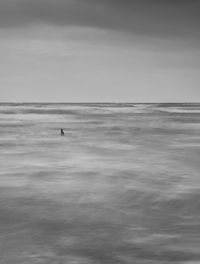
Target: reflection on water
[(122, 185)]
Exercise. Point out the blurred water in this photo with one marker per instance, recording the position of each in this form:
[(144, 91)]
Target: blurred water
[(122, 185)]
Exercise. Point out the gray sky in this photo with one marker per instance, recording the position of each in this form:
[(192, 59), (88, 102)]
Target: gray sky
[(99, 50)]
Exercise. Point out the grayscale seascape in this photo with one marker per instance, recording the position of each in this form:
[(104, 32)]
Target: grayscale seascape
[(121, 186)]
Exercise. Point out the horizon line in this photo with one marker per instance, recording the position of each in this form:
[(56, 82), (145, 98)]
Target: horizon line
[(100, 102)]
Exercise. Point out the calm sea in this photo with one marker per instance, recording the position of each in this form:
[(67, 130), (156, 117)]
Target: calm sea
[(122, 186)]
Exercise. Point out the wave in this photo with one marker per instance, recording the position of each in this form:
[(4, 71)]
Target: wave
[(98, 108)]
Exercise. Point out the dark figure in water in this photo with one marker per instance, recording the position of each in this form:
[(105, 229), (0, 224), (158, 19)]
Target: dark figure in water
[(62, 132)]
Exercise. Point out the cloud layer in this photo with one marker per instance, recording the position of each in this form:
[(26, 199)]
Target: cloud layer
[(99, 50), (152, 17)]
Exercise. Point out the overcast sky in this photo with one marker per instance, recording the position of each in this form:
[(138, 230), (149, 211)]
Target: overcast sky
[(99, 50)]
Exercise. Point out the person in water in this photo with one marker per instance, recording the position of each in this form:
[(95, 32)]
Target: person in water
[(62, 132)]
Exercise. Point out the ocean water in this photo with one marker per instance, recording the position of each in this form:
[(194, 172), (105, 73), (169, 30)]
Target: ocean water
[(121, 187)]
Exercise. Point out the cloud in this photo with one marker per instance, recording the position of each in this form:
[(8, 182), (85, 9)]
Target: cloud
[(99, 49), (177, 18)]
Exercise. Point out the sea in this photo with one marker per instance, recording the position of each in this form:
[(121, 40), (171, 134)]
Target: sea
[(122, 186)]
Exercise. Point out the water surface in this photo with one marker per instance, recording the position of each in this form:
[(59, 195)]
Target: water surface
[(122, 185)]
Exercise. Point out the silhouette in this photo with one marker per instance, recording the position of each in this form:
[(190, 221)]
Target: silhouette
[(62, 132)]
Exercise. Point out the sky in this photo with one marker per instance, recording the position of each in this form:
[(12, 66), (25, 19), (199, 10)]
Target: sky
[(99, 51)]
